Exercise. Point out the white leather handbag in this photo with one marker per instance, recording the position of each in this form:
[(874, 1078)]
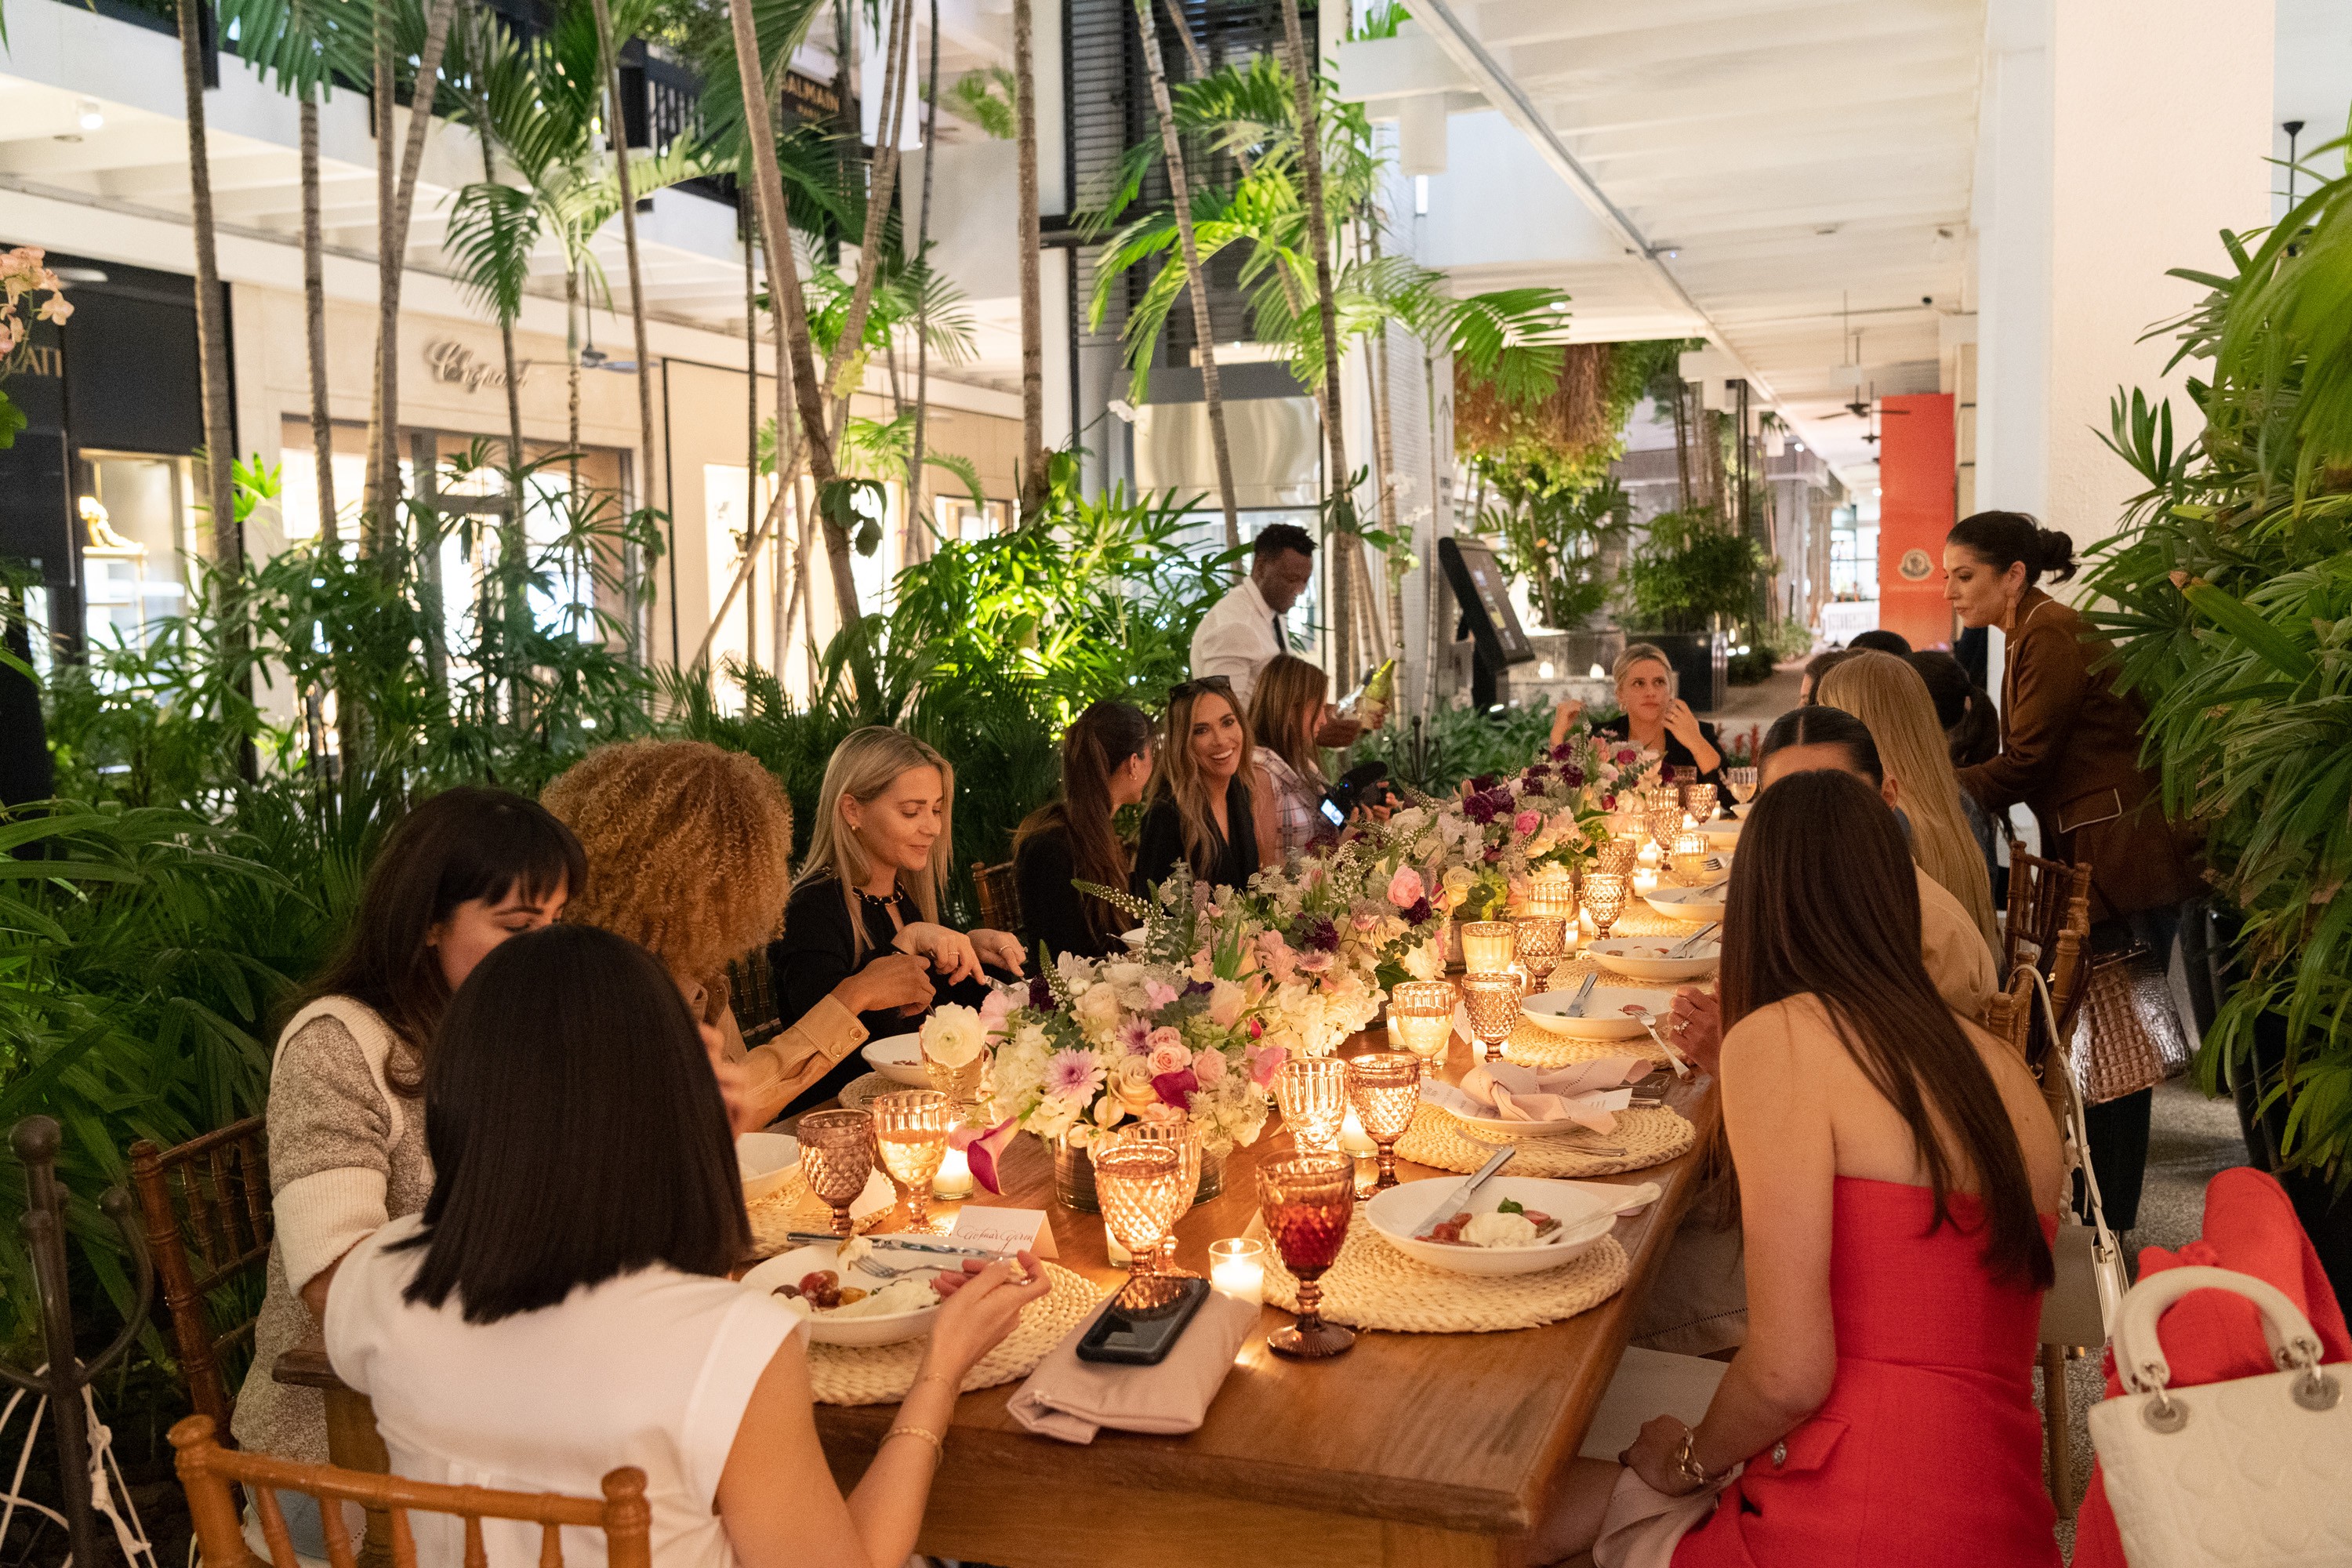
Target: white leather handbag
[(2255, 1472), (2082, 1303)]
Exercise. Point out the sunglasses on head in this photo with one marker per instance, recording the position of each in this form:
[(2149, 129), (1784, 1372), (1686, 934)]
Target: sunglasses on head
[(1221, 684)]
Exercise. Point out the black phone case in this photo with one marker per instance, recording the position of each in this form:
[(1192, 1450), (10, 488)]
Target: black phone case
[(1177, 1316)]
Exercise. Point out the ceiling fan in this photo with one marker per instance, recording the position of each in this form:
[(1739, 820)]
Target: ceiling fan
[(594, 358)]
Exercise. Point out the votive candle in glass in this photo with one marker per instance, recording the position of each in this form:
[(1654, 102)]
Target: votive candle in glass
[(954, 1180), (1354, 1140), (1237, 1269), (1645, 880), (1690, 857), (1486, 947), (1553, 893), (1421, 1016)]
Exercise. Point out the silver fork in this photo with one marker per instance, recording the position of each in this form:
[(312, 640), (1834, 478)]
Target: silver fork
[(1680, 1063)]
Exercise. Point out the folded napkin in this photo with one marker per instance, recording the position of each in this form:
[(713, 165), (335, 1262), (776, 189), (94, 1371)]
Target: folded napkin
[(1642, 1525), (1072, 1399), (1579, 1092)]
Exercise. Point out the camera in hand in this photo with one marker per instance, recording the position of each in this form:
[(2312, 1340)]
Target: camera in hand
[(1365, 784)]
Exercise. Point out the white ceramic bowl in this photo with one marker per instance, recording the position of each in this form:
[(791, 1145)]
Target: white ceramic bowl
[(898, 1058), (1605, 1017), (767, 1161), (1584, 1218), (1644, 958), (1697, 905), (790, 1268)]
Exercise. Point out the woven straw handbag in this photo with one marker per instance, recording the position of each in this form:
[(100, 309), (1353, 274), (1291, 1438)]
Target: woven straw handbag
[(2255, 1470)]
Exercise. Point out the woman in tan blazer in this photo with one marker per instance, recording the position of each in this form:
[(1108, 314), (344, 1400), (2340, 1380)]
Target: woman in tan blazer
[(2070, 752)]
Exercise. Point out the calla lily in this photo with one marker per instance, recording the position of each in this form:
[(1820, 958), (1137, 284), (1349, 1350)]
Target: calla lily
[(983, 1150)]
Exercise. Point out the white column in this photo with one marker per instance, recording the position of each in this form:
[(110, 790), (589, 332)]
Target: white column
[(2013, 221), (2160, 130)]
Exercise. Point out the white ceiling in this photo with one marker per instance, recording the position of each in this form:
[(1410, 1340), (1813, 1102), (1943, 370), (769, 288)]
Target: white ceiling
[(1792, 167)]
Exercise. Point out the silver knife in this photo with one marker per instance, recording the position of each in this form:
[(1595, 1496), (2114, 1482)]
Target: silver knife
[(1682, 948), (1460, 1194), (1583, 995), (816, 1237)]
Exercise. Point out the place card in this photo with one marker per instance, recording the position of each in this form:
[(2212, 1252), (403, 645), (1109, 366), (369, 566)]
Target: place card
[(1005, 1231)]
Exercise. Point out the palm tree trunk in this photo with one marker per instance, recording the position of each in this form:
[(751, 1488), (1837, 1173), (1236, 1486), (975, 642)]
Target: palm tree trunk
[(392, 245), (784, 290), (1318, 236), (314, 313), (1027, 245), (212, 347), (1196, 279), (922, 264), (1384, 458), (572, 371), (373, 503), (882, 178), (616, 126)]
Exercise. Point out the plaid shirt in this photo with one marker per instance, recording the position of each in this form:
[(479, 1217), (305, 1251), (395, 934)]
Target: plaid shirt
[(1299, 802)]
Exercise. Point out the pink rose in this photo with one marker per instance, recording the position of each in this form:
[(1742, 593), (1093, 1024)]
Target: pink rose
[(1208, 1069), (1405, 889), (1175, 1087), (1627, 756), (1170, 1058), (1162, 1037), (1526, 822), (1265, 1061)]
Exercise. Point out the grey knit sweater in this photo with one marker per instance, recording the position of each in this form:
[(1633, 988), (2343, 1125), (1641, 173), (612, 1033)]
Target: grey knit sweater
[(346, 1155)]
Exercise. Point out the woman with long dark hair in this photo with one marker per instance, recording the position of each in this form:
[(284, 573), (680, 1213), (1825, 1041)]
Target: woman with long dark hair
[(1899, 1178), (2070, 751), (561, 1306), (1106, 762), (464, 871), (1202, 813)]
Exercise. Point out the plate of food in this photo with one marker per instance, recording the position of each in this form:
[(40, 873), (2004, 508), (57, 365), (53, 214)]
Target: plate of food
[(1657, 958), (848, 1299), (1513, 1225), (899, 1059), (1692, 904), (767, 1161), (1605, 1016)]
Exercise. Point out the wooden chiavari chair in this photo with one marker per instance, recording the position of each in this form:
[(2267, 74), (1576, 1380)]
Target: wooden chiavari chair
[(209, 1226), (1000, 895), (207, 1472)]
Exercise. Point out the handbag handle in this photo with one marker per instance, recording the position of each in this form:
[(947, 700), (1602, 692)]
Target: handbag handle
[(2139, 1353), (2076, 1128)]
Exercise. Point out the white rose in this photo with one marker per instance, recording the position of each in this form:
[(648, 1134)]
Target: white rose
[(953, 1036)]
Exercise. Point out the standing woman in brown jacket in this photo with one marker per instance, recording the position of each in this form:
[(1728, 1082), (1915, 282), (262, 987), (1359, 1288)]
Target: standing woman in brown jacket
[(2070, 750)]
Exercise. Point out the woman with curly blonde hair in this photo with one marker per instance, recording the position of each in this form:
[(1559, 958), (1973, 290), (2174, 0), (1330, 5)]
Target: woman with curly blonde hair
[(689, 849)]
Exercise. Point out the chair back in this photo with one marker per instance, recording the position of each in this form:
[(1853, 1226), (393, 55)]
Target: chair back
[(751, 994), (208, 1471), (209, 1225), (2049, 928), (1000, 895)]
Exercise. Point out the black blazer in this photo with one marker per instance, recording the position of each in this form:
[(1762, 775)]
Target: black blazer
[(1678, 755), (1161, 849), (818, 951), (1052, 911)]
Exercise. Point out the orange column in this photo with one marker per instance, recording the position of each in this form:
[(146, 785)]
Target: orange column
[(1916, 475)]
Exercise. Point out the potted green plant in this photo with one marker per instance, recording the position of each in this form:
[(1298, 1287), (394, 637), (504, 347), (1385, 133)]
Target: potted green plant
[(2230, 589), (1694, 574)]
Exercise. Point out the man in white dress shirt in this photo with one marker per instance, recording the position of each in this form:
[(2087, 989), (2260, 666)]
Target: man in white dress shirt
[(1243, 632)]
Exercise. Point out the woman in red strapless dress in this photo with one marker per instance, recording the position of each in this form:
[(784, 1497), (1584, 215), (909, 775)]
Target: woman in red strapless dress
[(1898, 1176)]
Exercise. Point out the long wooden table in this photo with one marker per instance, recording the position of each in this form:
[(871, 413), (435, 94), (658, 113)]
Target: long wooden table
[(1411, 1450), (1416, 1450)]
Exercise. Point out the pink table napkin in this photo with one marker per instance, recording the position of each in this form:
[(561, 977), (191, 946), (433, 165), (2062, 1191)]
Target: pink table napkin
[(1072, 1399), (1551, 1094)]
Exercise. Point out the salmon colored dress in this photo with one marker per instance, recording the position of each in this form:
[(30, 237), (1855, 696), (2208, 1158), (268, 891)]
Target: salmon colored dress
[(1929, 1450)]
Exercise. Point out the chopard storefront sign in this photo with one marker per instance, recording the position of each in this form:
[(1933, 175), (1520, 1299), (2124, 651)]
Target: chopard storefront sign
[(454, 362)]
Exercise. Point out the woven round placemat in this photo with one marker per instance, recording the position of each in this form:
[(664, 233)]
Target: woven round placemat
[(793, 1207), (1650, 1136), (860, 1092), (1375, 1285), (881, 1374), (1533, 1045)]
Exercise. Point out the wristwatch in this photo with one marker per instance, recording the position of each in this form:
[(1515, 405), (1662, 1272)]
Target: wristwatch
[(1687, 1463)]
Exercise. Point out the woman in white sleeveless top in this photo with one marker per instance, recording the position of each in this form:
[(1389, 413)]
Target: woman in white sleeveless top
[(561, 1307), (462, 872)]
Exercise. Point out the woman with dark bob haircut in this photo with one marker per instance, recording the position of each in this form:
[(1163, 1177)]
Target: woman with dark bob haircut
[(561, 1307), (1897, 1179), (464, 870)]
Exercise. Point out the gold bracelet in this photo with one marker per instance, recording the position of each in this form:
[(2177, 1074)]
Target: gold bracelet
[(939, 1448)]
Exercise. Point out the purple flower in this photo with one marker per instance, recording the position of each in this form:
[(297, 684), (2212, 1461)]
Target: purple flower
[(1478, 808), (1536, 773), (1197, 988), (1561, 753), (1313, 933), (1572, 776), (1041, 995), (1418, 913), (1485, 782), (1494, 853), (1073, 1073)]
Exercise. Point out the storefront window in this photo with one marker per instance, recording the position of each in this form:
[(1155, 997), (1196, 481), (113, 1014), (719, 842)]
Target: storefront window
[(138, 532)]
